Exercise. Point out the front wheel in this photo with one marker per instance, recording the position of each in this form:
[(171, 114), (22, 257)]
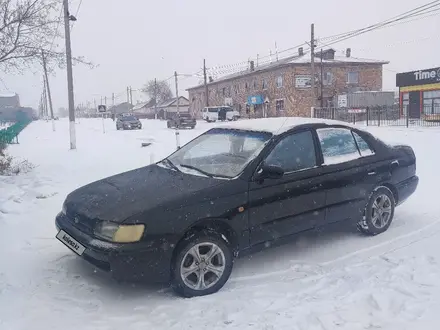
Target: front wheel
[(202, 265), (379, 212)]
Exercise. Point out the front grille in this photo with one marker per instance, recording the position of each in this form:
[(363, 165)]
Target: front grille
[(81, 223)]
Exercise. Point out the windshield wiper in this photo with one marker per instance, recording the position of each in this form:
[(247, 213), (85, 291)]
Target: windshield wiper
[(170, 164), (204, 172)]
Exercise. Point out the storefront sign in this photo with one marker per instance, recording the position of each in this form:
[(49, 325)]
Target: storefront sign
[(304, 81), (420, 77), (255, 99)]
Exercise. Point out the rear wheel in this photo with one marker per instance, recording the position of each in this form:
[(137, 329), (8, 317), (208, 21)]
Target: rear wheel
[(202, 265), (379, 212)]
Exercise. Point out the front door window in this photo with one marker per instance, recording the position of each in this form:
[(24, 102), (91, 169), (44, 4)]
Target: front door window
[(293, 153)]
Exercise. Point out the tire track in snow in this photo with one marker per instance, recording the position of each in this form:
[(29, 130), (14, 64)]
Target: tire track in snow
[(319, 267)]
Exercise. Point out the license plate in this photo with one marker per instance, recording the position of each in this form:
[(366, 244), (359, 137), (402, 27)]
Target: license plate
[(70, 242)]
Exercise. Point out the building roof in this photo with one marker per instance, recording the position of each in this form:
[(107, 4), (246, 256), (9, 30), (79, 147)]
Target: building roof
[(295, 60), (121, 108), (169, 102), (9, 101), (144, 105), (277, 125)]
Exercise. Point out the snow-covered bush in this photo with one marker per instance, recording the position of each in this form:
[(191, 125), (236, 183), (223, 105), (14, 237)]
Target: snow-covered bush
[(5, 160), (9, 167)]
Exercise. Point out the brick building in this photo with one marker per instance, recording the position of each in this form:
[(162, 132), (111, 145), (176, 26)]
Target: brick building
[(283, 88)]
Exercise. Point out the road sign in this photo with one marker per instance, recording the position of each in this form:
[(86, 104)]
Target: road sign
[(357, 110), (102, 108)]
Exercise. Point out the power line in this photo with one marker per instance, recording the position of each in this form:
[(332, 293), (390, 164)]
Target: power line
[(415, 13), (76, 14), (419, 12)]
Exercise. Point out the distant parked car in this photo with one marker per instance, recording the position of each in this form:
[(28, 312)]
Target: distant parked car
[(231, 191), (181, 120), (128, 121), (212, 114)]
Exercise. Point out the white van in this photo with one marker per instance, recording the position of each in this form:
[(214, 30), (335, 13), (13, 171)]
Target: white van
[(212, 114)]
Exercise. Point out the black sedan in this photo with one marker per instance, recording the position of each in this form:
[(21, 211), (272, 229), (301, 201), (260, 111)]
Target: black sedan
[(181, 120), (229, 192), (128, 122)]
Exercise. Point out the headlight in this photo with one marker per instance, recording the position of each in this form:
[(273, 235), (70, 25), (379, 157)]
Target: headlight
[(63, 210), (119, 233)]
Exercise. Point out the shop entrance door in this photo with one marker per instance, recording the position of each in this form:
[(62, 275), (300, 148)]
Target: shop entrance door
[(414, 105)]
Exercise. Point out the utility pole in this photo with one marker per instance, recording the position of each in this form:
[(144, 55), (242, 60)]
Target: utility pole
[(113, 99), (312, 57), (105, 101), (45, 106), (155, 98), (69, 75), (48, 89), (128, 94), (131, 96), (178, 113), (206, 84), (322, 83)]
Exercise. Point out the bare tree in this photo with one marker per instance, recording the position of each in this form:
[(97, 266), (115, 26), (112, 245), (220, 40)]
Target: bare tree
[(26, 28), (158, 90)]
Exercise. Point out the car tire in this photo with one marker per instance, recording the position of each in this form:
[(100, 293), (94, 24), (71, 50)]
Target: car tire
[(214, 269), (379, 212)]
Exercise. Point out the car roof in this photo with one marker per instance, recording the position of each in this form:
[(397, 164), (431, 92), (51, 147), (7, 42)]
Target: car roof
[(278, 125)]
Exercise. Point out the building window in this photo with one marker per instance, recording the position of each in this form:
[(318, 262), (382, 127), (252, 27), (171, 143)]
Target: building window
[(264, 84), (224, 91), (279, 105), (228, 91), (327, 78), (279, 81), (431, 102), (246, 86), (255, 85), (353, 77)]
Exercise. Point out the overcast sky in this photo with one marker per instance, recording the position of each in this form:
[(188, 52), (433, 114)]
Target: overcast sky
[(134, 41)]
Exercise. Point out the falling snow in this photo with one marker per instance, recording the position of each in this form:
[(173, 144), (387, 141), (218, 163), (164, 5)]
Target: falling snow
[(327, 280)]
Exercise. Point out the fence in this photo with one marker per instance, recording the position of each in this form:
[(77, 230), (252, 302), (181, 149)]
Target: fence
[(427, 116), (10, 134)]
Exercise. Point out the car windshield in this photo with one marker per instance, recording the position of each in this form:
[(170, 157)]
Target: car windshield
[(128, 118), (220, 152), (184, 115)]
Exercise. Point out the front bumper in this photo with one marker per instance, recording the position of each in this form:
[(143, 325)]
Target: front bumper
[(132, 126), (126, 262)]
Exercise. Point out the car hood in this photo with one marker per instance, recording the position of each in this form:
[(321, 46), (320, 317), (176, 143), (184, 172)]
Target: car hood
[(127, 194), (131, 122)]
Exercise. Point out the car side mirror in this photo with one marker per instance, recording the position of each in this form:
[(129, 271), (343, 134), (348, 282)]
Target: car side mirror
[(270, 172)]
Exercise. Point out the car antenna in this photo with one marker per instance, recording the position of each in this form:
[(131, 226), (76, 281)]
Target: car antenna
[(284, 122)]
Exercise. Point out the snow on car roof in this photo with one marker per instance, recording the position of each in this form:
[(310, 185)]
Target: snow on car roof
[(277, 125)]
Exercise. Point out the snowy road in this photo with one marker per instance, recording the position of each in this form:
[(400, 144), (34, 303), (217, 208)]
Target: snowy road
[(333, 280)]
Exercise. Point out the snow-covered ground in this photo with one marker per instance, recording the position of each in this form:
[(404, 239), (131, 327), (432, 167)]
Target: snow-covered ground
[(333, 280)]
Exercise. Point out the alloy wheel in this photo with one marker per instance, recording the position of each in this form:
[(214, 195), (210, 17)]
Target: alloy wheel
[(381, 211), (202, 266)]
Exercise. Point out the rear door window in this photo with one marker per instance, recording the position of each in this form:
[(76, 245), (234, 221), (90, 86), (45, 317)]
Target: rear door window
[(363, 146), (338, 145)]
